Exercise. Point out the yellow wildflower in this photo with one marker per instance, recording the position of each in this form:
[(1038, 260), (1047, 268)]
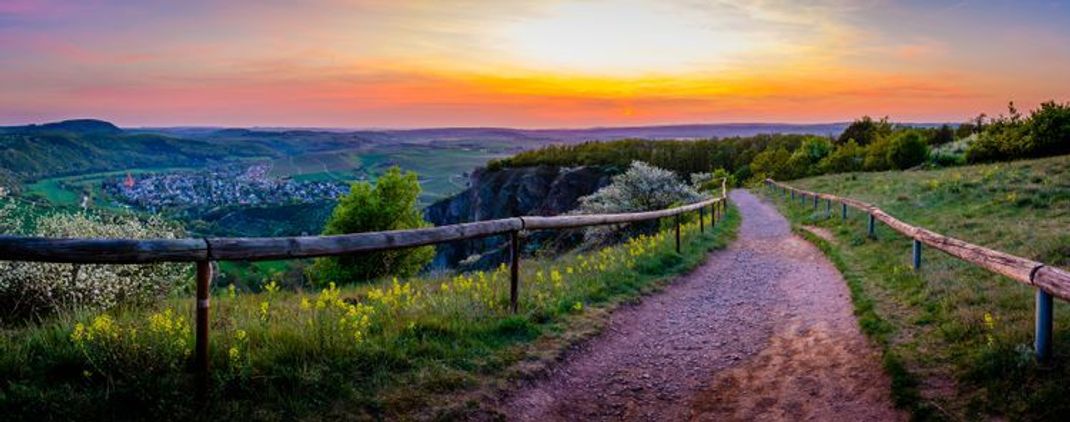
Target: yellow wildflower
[(78, 334), (264, 310), (234, 354)]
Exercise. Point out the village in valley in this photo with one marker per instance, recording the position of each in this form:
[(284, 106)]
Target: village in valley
[(219, 186)]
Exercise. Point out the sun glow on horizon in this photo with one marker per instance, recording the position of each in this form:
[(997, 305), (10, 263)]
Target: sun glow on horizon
[(555, 63), (615, 38)]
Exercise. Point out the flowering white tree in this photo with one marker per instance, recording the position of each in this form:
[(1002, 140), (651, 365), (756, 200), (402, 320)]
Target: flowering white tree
[(641, 188), (30, 289)]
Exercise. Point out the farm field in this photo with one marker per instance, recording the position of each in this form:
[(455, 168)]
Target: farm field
[(442, 170), (957, 338)]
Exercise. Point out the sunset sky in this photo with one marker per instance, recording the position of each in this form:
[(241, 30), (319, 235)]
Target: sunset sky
[(355, 63)]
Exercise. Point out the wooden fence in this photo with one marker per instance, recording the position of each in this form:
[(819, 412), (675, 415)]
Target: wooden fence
[(1049, 281), (204, 251)]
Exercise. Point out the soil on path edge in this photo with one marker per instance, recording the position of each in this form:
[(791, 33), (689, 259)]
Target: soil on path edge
[(763, 330)]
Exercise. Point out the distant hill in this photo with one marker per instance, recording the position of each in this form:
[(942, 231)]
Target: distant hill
[(696, 131), (522, 136), (82, 146), (79, 126)]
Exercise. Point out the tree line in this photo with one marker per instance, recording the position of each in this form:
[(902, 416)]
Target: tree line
[(867, 144)]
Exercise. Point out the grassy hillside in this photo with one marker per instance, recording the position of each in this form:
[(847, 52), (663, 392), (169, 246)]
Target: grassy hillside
[(958, 340), (33, 155)]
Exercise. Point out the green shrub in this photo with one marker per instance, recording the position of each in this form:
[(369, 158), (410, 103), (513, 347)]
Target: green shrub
[(907, 149), (877, 156), (845, 158), (1045, 132), (389, 205), (1049, 127), (772, 163)]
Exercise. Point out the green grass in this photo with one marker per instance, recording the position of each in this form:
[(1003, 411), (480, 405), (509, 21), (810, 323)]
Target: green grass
[(253, 273), (947, 359), (429, 349), (440, 169)]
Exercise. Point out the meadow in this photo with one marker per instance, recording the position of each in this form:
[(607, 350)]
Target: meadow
[(425, 347), (956, 339)]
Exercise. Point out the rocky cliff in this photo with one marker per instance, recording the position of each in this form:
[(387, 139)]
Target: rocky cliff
[(505, 193)]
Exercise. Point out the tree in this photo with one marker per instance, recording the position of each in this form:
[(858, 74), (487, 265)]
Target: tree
[(34, 289), (1049, 129), (389, 205), (865, 131), (965, 130), (845, 158), (772, 163), (641, 188), (877, 156), (942, 135), (907, 149)]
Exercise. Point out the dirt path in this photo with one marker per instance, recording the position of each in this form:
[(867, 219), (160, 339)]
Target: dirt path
[(762, 331)]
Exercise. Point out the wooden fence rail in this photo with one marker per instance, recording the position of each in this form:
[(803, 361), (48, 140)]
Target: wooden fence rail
[(1049, 281), (204, 251)]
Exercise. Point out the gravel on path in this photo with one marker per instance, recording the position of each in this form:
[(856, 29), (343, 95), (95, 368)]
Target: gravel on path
[(763, 330)]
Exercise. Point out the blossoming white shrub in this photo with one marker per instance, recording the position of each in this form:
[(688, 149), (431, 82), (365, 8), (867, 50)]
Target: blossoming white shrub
[(30, 289), (641, 188)]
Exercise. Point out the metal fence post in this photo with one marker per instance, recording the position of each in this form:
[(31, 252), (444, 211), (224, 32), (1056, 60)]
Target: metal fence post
[(872, 226), (204, 284), (828, 208), (514, 269), (917, 254), (713, 215), (816, 199), (793, 195), (677, 233), (843, 211), (1042, 344)]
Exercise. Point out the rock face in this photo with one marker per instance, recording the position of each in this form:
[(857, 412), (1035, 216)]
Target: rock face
[(511, 192)]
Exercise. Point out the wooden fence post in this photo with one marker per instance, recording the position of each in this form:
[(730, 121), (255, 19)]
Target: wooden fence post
[(872, 226), (917, 254), (204, 284), (677, 233), (713, 215), (1042, 344), (702, 220), (514, 269)]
